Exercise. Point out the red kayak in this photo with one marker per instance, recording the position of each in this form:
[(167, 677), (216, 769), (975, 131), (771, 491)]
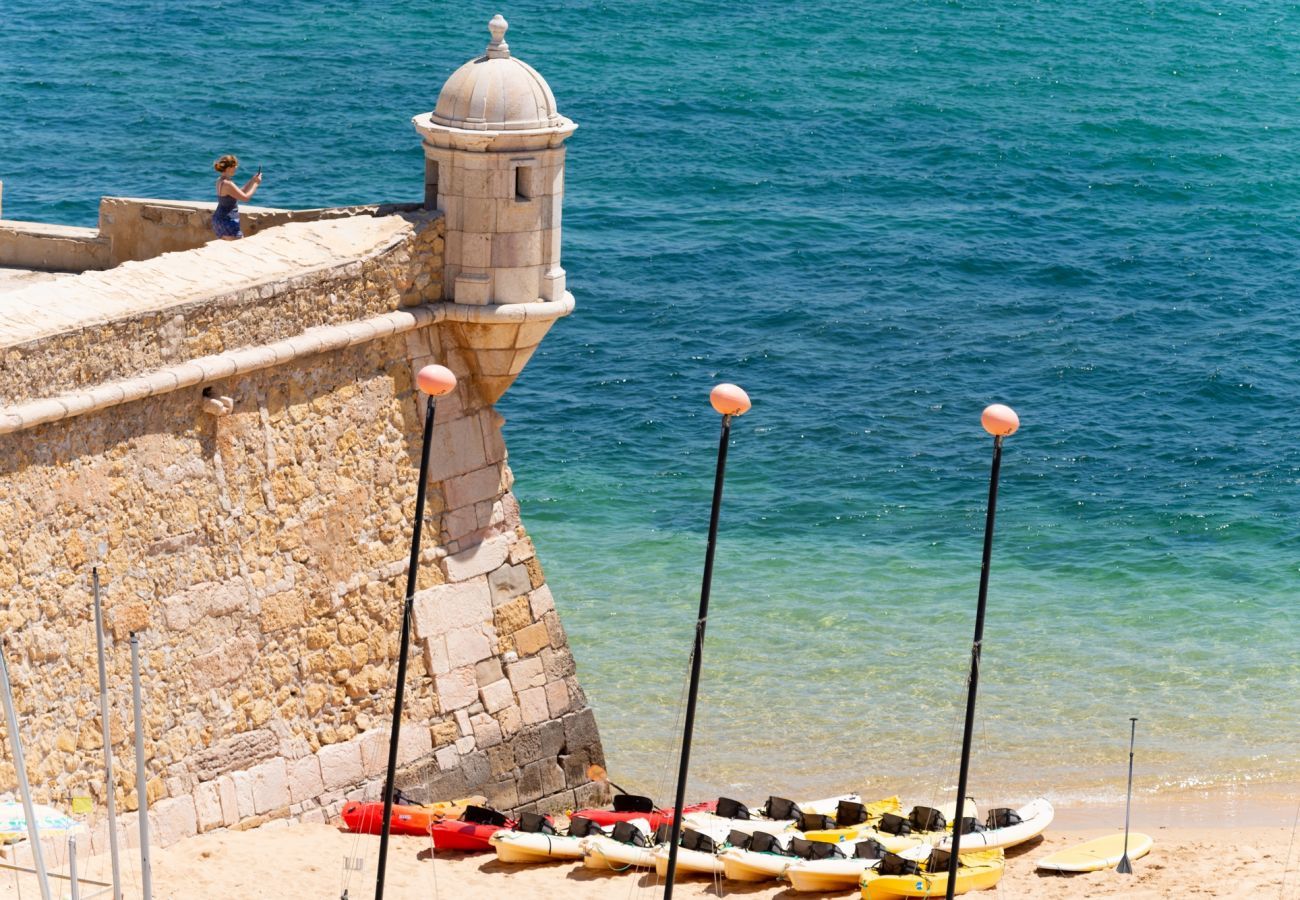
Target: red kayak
[(471, 833), (657, 817), (368, 818)]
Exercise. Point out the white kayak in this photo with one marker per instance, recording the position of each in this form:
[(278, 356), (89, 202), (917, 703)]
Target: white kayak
[(1034, 819), (604, 853), (530, 847), (705, 821), (749, 865), (824, 875), (689, 862)]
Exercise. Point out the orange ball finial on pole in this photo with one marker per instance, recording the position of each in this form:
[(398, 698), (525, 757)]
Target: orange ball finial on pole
[(729, 400), (999, 420), (436, 381)]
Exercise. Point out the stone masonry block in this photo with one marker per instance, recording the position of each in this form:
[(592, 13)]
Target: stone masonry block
[(528, 746), (511, 720), (305, 781), (558, 663), (270, 786), (175, 819), (525, 674), (553, 740), (457, 689), (541, 600), (413, 743), (557, 698), (497, 696), (512, 616), (555, 630), (445, 607), (580, 730), (532, 704), (489, 671), (470, 488), (207, 806), (435, 655), (487, 733), (532, 639), (502, 760), (508, 582), (340, 765), (467, 646), (477, 560), (244, 794), (229, 798), (374, 751)]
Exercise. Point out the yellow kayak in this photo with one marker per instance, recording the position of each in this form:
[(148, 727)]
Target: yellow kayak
[(979, 871), (894, 843)]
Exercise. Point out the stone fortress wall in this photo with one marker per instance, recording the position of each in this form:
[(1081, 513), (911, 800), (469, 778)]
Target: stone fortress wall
[(231, 435)]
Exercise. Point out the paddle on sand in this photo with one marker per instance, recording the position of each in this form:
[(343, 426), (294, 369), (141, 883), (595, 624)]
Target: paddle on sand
[(1125, 867)]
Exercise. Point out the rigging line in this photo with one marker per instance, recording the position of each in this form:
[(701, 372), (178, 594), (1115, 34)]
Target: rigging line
[(1290, 848)]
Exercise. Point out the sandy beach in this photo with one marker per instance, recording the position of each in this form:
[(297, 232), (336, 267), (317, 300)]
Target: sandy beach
[(1245, 857)]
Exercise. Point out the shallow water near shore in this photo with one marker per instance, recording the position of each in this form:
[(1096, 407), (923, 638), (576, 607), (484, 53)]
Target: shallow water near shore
[(877, 220)]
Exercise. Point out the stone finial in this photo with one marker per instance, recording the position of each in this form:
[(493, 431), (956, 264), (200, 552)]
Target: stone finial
[(498, 48)]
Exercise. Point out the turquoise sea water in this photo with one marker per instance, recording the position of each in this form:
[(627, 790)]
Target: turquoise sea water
[(877, 218)]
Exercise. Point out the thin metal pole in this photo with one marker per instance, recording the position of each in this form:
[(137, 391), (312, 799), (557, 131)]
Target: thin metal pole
[(16, 742), (955, 861), (412, 574), (109, 782), (141, 782), (696, 653), (72, 867), (1125, 867)]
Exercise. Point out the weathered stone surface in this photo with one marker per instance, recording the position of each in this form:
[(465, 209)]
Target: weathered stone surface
[(468, 646), (532, 705), (450, 606), (174, 819), (532, 639), (508, 582), (525, 674), (477, 560), (457, 689), (270, 786), (207, 807), (241, 751), (340, 766), (580, 730), (497, 696), (487, 733), (305, 779)]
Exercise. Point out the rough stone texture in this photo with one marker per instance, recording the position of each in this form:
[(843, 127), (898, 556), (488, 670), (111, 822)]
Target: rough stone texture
[(231, 435)]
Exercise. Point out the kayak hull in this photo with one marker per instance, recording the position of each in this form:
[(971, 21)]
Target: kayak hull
[(528, 848), (979, 872), (1035, 816), (463, 836), (689, 862)]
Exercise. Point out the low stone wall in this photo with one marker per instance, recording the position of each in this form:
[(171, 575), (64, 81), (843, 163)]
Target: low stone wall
[(52, 248)]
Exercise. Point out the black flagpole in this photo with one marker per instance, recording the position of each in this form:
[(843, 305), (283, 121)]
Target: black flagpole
[(730, 401), (1000, 422), (435, 381)]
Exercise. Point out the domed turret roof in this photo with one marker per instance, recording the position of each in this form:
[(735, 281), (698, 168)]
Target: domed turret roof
[(496, 92)]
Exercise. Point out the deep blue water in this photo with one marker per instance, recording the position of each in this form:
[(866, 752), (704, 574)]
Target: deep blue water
[(877, 218)]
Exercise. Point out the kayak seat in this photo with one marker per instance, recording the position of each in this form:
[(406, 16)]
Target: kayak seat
[(534, 824), (971, 825), (581, 826), (740, 840), (815, 822), (762, 842), (939, 861), (694, 840), (923, 818), (627, 833), (780, 808), (663, 833), (891, 823), (1002, 818), (632, 803), (805, 849), (481, 815), (893, 864), (849, 813), (869, 849), (731, 809)]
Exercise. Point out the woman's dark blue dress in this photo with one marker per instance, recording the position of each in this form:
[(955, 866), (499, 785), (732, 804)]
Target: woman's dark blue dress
[(225, 221)]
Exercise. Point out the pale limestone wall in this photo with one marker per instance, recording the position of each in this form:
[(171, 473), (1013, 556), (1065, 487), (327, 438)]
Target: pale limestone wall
[(261, 553), (52, 248)]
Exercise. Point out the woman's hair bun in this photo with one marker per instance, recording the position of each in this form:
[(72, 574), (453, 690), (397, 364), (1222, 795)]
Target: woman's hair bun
[(229, 161)]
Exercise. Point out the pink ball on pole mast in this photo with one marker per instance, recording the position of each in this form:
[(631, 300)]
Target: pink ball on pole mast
[(729, 400), (999, 420), (436, 381)]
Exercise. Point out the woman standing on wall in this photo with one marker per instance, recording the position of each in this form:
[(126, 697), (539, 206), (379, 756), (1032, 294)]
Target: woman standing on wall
[(225, 221)]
